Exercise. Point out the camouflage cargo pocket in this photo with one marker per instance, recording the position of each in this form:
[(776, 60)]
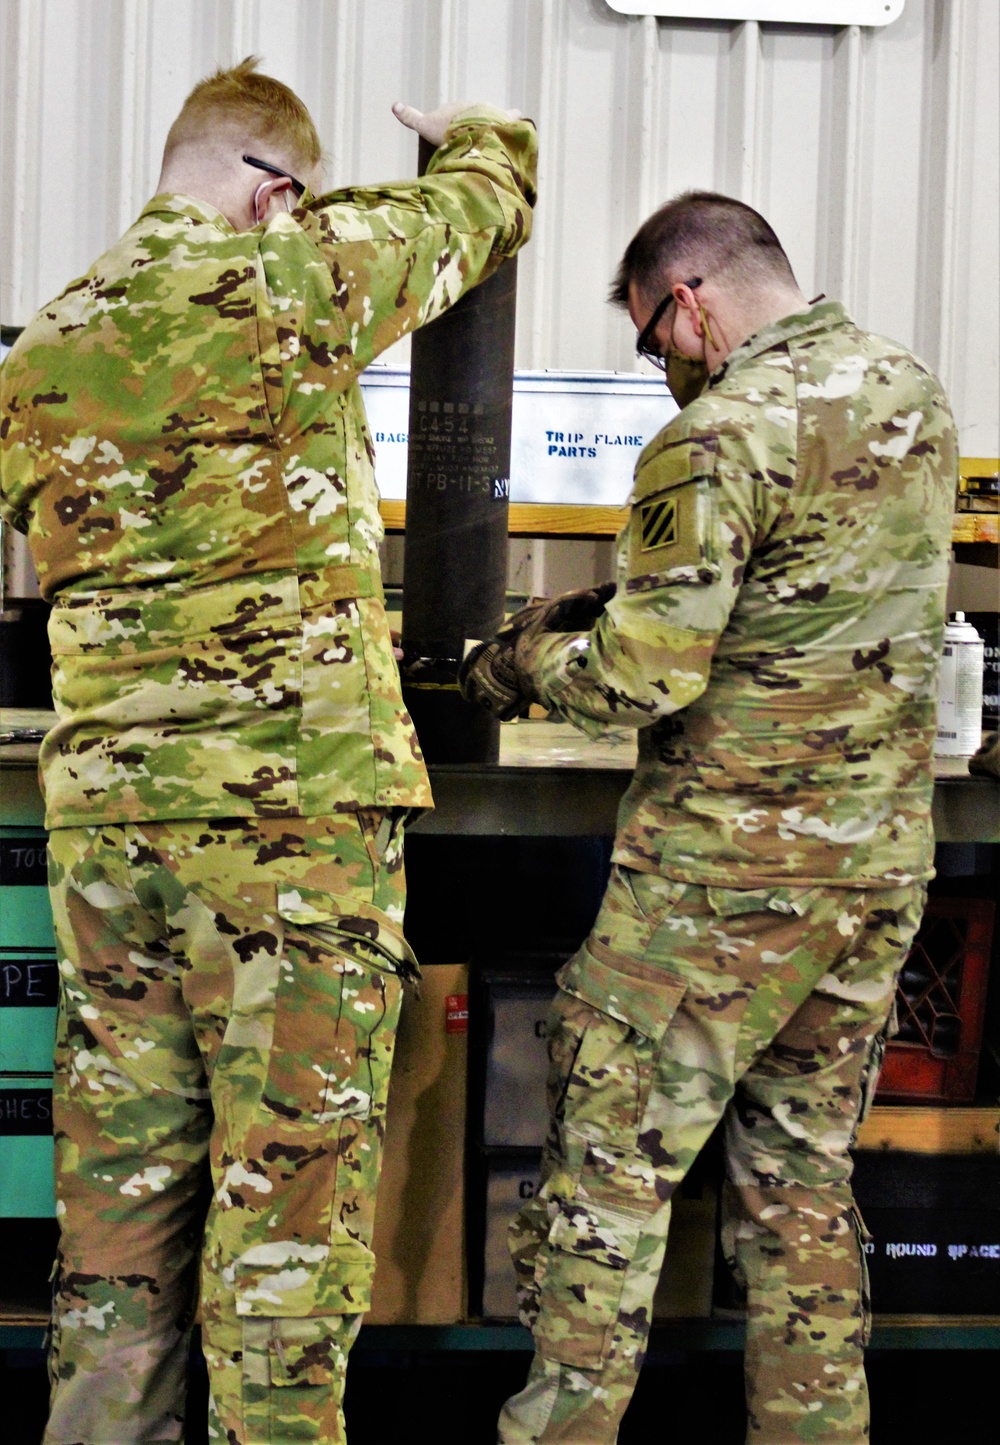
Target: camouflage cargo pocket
[(605, 1032), (582, 1274), (293, 1379), (336, 1009)]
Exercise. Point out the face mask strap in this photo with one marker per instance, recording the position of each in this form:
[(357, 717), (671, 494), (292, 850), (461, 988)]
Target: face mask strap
[(705, 324), (708, 330)]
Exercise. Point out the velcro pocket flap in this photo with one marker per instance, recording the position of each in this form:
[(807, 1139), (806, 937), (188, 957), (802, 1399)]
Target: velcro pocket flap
[(731, 902), (291, 1279), (354, 926), (605, 1241), (645, 998)]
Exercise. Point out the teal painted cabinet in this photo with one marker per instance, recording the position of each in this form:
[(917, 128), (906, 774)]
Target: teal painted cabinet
[(29, 991)]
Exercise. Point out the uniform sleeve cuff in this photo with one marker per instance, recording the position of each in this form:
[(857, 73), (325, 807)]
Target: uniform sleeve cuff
[(490, 114)]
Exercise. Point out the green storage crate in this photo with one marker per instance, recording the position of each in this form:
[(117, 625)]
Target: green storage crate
[(29, 993), (28, 975), (27, 1188), (25, 914)]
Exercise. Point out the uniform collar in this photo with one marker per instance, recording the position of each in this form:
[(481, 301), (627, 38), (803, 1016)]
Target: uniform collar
[(169, 203), (821, 317)]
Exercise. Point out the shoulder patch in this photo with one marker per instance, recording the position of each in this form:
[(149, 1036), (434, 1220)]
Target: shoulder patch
[(658, 523), (671, 533)]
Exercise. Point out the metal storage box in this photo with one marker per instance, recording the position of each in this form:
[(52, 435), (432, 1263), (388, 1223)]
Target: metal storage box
[(509, 1184), (575, 435), (514, 1110)]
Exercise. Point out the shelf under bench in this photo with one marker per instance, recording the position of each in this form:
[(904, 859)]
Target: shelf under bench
[(889, 1332)]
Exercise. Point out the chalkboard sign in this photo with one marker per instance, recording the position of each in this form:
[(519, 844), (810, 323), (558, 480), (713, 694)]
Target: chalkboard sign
[(23, 861), (25, 1111), (28, 981)]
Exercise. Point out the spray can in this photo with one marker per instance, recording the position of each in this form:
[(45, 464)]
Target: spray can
[(960, 691)]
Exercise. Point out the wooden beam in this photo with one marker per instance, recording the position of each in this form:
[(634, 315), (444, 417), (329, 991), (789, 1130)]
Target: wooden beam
[(536, 519), (924, 1129)]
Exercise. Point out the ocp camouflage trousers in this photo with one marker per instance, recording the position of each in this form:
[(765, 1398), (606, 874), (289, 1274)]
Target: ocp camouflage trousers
[(767, 1009), (230, 993)]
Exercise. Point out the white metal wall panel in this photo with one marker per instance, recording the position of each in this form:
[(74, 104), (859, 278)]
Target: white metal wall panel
[(874, 152)]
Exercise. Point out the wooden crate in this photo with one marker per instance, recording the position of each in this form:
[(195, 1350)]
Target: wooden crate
[(941, 1003)]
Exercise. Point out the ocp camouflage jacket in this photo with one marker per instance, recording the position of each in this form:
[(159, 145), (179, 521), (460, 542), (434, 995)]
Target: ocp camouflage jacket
[(184, 440), (778, 622)]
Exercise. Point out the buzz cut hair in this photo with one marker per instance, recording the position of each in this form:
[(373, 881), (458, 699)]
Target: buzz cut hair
[(256, 108), (701, 233)]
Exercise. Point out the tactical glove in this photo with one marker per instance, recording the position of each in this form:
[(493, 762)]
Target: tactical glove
[(577, 611), (518, 622), (570, 612), (489, 677)]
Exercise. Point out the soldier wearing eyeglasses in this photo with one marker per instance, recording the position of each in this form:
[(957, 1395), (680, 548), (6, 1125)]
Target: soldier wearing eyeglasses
[(773, 634)]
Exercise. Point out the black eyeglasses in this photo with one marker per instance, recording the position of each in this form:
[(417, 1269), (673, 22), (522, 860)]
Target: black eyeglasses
[(642, 346), (297, 186)]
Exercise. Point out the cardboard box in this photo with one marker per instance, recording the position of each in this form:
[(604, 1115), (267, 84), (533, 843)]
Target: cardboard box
[(419, 1234)]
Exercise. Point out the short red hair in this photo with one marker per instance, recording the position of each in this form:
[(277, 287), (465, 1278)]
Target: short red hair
[(261, 108)]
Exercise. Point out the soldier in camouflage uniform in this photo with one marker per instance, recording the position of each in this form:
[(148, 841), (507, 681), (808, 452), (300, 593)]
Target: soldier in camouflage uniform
[(184, 441), (774, 636)]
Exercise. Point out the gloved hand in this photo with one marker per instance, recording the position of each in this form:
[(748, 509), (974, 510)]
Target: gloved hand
[(517, 622), (570, 612), (577, 611), (489, 676)]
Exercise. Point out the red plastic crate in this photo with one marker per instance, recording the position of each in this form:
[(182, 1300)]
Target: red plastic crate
[(941, 1002)]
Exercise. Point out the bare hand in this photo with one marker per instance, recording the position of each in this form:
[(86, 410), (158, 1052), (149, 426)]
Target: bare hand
[(432, 124)]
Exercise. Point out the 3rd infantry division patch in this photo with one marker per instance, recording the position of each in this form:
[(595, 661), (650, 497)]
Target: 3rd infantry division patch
[(659, 524)]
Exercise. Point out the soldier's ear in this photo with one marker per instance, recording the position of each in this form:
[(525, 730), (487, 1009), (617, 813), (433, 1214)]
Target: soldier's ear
[(266, 192), (687, 301)]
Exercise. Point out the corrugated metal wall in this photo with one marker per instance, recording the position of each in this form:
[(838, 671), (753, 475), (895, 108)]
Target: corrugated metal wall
[(873, 152)]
